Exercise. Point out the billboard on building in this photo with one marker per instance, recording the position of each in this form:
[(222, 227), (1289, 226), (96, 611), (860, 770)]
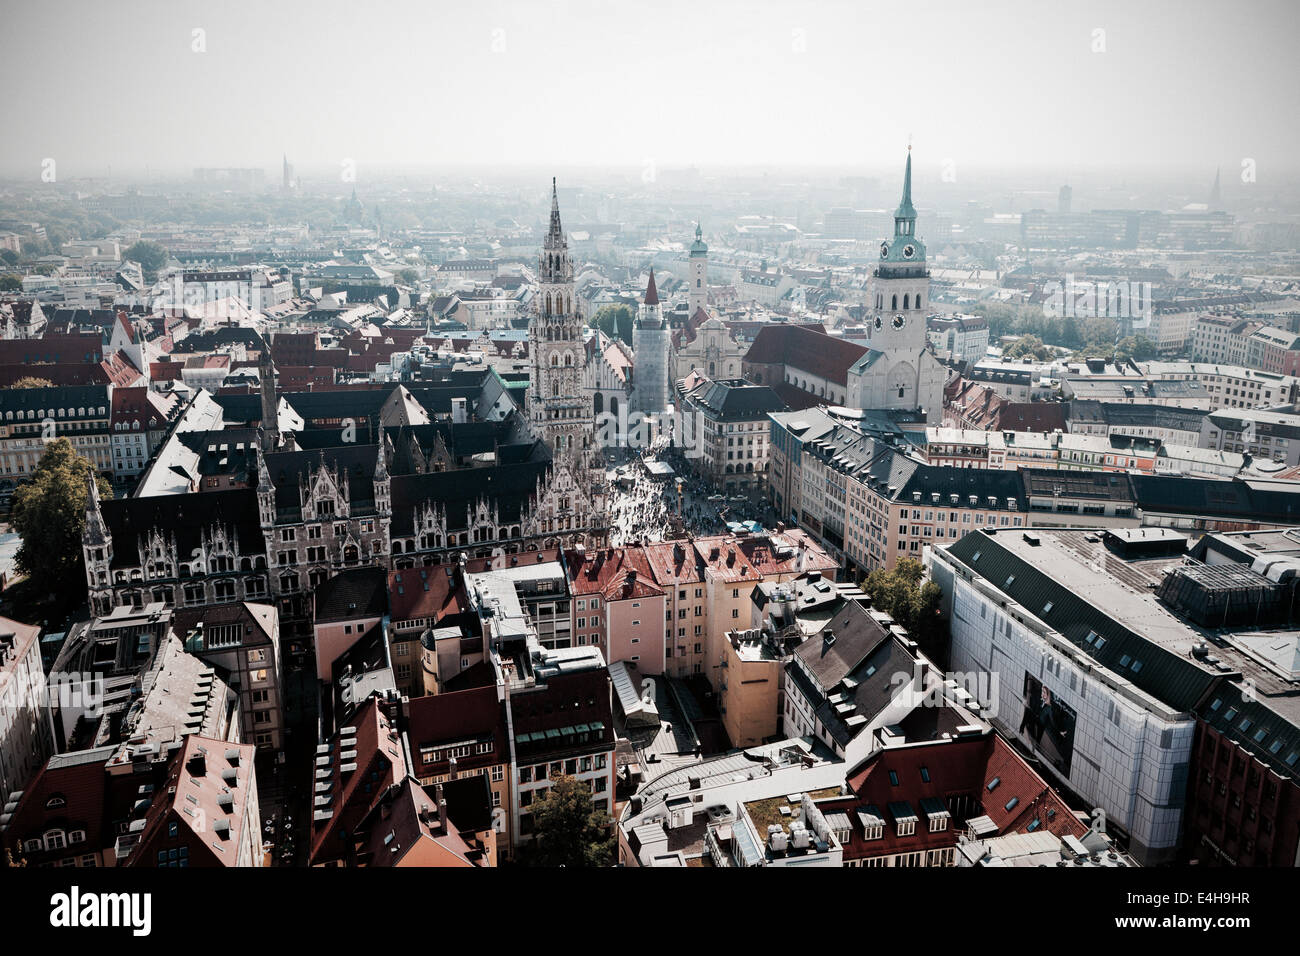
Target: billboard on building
[(1047, 725)]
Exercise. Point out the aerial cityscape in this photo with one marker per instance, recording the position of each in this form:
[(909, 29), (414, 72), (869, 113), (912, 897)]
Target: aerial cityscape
[(366, 501)]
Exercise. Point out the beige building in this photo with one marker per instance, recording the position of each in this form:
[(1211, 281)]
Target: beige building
[(26, 730)]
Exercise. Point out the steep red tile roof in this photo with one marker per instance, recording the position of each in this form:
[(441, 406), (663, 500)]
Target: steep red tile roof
[(802, 347), (651, 293), (958, 768)]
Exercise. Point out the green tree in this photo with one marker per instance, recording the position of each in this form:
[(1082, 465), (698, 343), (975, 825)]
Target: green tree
[(150, 255), (615, 321), (11, 283), (409, 276), (1028, 346), (32, 381), (9, 256), (49, 513), (569, 830), (902, 592)]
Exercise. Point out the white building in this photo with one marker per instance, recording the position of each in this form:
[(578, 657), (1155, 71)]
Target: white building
[(1077, 672), (26, 729)]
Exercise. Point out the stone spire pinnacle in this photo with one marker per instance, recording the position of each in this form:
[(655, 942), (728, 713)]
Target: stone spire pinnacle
[(555, 231)]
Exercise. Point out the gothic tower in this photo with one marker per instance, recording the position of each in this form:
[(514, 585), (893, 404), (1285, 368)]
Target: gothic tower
[(559, 411), (650, 355), (97, 550), (698, 296), (270, 407)]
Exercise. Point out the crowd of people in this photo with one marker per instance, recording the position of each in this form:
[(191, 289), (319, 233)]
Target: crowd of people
[(646, 506)]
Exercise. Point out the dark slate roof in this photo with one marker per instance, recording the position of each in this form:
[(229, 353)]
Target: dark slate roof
[(737, 400), (1152, 416), (354, 593), (864, 651), (214, 339), (1226, 498), (22, 400), (1103, 486), (341, 403), (240, 408), (287, 468), (1241, 720), (1169, 677), (983, 482), (509, 486), (185, 516), (857, 636)]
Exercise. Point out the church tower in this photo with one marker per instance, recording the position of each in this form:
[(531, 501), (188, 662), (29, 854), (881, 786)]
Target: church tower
[(901, 283), (698, 296), (270, 407), (650, 355), (900, 371), (559, 410)]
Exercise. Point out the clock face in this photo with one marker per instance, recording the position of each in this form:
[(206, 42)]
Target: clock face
[(884, 249), (899, 321), (880, 323), (909, 251)]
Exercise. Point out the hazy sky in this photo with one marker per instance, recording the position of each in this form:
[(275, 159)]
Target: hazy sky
[(614, 83)]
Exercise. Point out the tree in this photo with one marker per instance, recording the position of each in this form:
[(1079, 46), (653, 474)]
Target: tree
[(49, 513), (9, 256), (903, 593), (150, 255), (409, 276), (1028, 346), (11, 283), (32, 381), (568, 830), (615, 321)]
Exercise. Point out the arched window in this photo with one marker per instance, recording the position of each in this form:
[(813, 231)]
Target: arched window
[(918, 300), (895, 301), (906, 300)]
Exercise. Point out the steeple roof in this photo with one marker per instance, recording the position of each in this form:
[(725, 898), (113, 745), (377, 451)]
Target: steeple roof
[(556, 231), (698, 248), (905, 208), (651, 293)]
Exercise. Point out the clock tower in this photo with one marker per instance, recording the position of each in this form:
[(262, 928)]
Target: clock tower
[(899, 371), (900, 286)]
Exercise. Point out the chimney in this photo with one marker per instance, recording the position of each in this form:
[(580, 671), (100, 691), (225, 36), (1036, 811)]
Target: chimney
[(442, 809)]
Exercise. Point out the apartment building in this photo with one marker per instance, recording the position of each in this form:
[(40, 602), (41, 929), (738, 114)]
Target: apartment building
[(32, 417), (725, 423), (26, 729)]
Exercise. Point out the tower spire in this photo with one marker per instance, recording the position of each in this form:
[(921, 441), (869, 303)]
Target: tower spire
[(651, 293), (555, 231), (905, 208)]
